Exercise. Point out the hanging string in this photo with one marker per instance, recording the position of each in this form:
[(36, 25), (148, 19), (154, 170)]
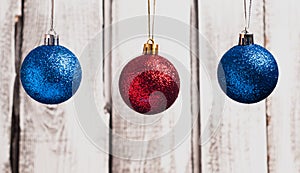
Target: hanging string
[(153, 18), (247, 18), (52, 18), (151, 33)]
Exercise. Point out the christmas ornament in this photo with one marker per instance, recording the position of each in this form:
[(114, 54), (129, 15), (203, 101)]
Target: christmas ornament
[(247, 73), (51, 74), (149, 84)]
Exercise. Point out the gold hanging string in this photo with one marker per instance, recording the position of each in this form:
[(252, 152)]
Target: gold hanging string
[(150, 47), (151, 33)]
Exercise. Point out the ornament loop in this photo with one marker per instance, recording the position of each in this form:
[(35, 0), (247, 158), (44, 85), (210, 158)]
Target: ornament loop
[(150, 40), (52, 32)]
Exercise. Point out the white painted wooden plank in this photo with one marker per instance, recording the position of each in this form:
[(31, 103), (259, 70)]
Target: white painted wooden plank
[(239, 144), (51, 138), (283, 39), (8, 12), (137, 159)]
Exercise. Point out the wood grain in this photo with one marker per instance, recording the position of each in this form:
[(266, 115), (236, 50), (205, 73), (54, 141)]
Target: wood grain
[(140, 157), (51, 138), (195, 87), (283, 40), (239, 142), (9, 11), (262, 138)]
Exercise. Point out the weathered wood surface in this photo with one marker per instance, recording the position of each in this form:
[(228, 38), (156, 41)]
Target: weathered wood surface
[(239, 144), (283, 40), (142, 160), (51, 138), (259, 138), (9, 12), (195, 85)]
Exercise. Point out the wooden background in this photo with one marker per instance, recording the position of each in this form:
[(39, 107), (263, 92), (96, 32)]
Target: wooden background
[(258, 138)]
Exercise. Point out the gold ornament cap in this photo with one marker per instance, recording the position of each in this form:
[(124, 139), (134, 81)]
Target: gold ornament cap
[(246, 38), (150, 48)]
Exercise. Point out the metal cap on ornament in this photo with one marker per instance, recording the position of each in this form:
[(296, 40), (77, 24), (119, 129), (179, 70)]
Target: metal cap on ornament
[(246, 38), (150, 48), (51, 38)]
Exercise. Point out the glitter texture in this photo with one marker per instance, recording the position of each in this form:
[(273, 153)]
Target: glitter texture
[(51, 74), (248, 74), (149, 84)]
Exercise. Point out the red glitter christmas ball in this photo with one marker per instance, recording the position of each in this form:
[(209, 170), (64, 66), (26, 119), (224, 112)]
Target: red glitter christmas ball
[(149, 84)]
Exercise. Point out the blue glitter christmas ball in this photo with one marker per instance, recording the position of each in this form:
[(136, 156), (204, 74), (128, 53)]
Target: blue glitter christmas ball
[(248, 74), (51, 74)]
